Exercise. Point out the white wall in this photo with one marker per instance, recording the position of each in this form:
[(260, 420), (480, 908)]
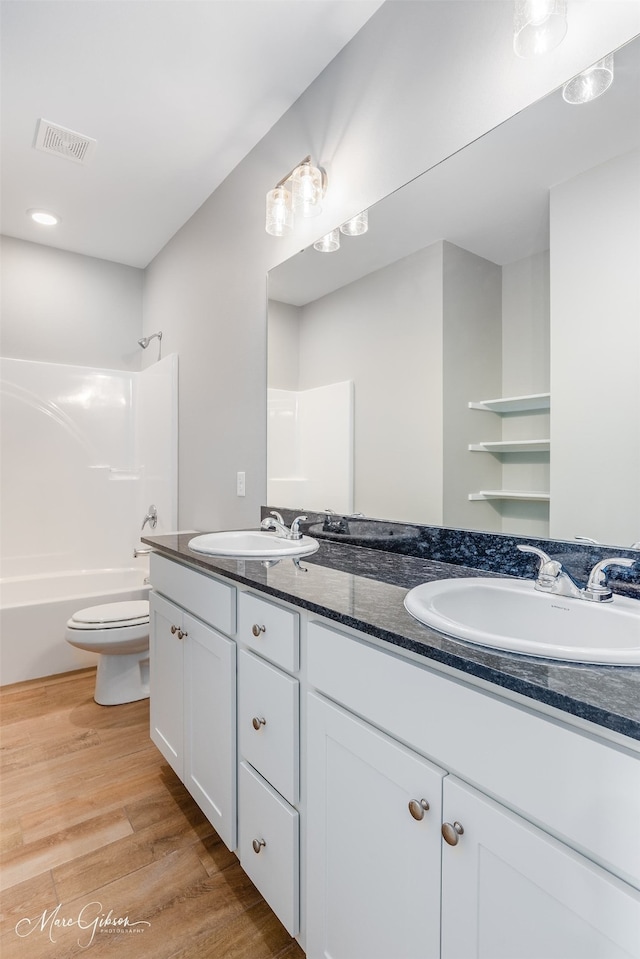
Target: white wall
[(595, 298), (384, 333), (472, 365), (60, 307), (283, 346), (419, 81), (525, 369)]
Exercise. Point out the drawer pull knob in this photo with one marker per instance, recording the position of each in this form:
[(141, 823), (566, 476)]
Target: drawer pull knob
[(451, 833), (418, 807), (181, 634), (258, 844), (258, 722), (256, 629), (174, 630)]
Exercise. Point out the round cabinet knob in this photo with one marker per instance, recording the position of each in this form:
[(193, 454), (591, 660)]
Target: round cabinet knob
[(418, 807), (451, 833), (174, 630), (258, 722), (256, 629), (182, 635), (258, 844)]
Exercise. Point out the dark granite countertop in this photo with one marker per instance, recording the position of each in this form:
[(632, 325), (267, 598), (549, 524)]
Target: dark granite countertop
[(365, 588)]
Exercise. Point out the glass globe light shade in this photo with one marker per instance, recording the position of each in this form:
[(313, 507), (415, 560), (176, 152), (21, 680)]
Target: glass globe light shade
[(279, 212), (329, 243), (590, 83), (357, 225), (307, 190), (538, 26)]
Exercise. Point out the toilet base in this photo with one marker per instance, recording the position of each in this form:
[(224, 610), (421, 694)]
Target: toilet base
[(122, 678)]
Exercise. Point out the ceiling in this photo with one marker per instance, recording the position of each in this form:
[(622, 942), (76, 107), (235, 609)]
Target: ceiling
[(175, 92)]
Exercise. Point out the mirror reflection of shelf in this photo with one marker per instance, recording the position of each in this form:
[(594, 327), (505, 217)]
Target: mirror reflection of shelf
[(512, 446), (536, 496), (514, 404)]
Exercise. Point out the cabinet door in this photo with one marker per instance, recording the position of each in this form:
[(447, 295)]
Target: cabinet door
[(210, 725), (510, 891), (166, 680), (373, 869)]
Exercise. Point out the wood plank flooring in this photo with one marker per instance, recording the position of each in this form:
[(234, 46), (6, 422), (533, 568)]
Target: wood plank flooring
[(96, 828)]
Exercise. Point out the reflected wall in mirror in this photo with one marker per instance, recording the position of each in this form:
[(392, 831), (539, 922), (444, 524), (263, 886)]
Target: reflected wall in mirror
[(507, 273)]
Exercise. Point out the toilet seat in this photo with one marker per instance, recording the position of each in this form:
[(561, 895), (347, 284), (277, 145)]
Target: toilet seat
[(119, 634), (111, 616)]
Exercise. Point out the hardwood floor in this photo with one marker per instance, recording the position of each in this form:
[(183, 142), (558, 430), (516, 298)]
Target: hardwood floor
[(97, 828)]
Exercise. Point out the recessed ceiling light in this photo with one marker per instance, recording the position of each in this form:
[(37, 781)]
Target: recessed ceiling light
[(43, 217)]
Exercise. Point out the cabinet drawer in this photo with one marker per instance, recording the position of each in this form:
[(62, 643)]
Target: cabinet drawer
[(266, 693), (266, 819), (271, 630), (207, 598)]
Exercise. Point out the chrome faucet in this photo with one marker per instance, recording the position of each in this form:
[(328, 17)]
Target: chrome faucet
[(278, 525), (151, 518), (552, 578)]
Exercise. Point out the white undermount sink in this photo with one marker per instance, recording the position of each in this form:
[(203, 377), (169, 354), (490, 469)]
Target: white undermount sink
[(512, 615), (251, 544)]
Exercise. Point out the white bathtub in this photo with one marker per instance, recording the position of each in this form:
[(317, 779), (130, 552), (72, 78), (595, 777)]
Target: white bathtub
[(34, 611)]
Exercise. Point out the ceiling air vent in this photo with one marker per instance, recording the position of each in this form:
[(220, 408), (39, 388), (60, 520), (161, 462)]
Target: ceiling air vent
[(51, 138)]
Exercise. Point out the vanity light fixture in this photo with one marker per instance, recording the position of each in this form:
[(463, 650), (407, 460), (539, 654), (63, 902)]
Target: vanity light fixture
[(357, 225), (328, 243), (299, 192), (538, 26), (44, 217), (590, 83)]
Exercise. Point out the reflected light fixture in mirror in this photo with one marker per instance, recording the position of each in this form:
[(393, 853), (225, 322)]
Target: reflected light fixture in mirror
[(538, 26), (357, 225), (590, 83), (328, 243), (299, 192)]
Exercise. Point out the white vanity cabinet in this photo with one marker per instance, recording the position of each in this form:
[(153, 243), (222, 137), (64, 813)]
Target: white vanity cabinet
[(193, 687), (526, 805), (510, 891), (373, 842), (269, 753)]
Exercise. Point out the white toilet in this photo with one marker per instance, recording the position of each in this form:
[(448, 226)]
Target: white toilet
[(119, 632)]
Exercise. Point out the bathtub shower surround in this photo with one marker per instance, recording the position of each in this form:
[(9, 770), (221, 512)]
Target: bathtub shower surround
[(84, 452)]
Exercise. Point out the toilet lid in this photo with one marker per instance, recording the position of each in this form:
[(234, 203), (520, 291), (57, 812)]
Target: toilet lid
[(111, 615)]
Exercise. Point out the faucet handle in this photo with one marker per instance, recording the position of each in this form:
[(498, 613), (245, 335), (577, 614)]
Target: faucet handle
[(597, 587), (277, 515), (295, 527), (548, 569)]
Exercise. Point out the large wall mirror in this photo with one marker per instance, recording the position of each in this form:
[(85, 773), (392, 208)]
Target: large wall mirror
[(473, 360)]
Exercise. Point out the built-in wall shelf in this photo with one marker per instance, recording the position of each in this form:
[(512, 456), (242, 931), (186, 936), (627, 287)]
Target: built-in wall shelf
[(535, 496), (514, 404), (512, 446)]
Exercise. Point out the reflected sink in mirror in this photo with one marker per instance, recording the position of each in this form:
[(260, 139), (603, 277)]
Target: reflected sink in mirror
[(512, 615), (365, 532), (251, 544)]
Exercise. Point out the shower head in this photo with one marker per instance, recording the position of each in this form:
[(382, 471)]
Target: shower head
[(145, 340)]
